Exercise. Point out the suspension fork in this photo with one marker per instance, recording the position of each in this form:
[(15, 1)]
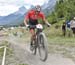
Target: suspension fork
[(37, 36)]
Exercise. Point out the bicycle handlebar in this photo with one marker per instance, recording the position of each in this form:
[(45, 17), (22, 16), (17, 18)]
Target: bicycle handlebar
[(32, 26)]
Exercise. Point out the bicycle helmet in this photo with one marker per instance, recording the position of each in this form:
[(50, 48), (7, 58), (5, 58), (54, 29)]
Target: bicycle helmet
[(38, 8)]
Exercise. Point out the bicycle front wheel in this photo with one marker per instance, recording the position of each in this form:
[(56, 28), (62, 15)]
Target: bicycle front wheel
[(34, 48), (43, 51)]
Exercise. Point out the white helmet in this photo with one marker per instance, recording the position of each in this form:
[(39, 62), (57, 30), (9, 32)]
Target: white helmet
[(38, 8)]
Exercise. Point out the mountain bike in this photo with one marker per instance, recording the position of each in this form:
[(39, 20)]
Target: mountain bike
[(40, 42)]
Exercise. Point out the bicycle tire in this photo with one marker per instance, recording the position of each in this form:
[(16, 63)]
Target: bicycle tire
[(43, 41)]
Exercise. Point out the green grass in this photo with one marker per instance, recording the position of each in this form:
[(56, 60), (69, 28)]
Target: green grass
[(9, 50), (1, 52), (2, 43), (62, 41), (55, 37)]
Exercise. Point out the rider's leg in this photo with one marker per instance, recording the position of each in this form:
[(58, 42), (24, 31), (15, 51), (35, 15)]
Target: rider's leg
[(33, 35)]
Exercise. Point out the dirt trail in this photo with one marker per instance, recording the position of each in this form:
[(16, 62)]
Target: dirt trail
[(22, 55)]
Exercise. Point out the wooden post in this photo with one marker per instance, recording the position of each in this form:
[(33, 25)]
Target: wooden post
[(4, 54)]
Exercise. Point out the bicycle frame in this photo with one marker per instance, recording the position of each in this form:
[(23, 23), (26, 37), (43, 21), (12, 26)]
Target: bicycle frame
[(38, 31)]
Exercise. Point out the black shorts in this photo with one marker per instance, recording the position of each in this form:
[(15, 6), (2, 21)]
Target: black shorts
[(33, 22), (73, 29)]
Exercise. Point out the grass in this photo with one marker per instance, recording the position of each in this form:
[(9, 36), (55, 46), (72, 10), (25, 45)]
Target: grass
[(1, 52), (21, 35), (2, 43), (55, 37), (62, 41), (9, 50)]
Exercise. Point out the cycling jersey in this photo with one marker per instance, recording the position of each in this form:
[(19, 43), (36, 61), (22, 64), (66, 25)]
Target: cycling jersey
[(33, 18)]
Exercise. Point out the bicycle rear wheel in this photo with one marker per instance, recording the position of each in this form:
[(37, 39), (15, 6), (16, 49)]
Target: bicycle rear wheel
[(43, 51)]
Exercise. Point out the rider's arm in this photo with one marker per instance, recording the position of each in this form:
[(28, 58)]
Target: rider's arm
[(45, 21), (26, 19)]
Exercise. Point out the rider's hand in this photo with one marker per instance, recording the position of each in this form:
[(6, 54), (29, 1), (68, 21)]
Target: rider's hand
[(48, 25), (27, 26)]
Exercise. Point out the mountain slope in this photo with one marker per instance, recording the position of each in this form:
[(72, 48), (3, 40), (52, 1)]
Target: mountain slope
[(14, 18), (49, 6)]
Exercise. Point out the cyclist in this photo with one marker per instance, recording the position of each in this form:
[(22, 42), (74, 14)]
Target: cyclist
[(72, 25), (32, 18)]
